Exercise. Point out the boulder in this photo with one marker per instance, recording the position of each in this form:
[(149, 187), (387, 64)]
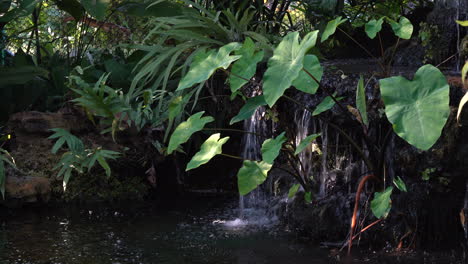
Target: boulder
[(26, 189)]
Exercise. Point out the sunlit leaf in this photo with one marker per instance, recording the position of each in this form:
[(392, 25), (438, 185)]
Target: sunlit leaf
[(400, 184), (293, 190), (285, 65), (373, 27), (403, 28), (249, 109), (418, 109), (271, 148), (210, 148), (331, 28), (381, 204), (186, 129), (306, 142), (361, 101), (251, 175), (244, 68), (205, 63), (306, 83), (463, 23)]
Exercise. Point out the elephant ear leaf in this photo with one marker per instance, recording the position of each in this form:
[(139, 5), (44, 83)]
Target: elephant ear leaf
[(306, 83), (403, 28), (272, 147), (381, 204), (249, 109), (373, 27), (306, 142), (285, 65), (244, 68), (251, 175), (418, 109), (331, 28), (186, 129), (205, 63), (210, 148)]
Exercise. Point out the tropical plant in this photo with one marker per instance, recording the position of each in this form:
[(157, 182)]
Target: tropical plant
[(78, 158)]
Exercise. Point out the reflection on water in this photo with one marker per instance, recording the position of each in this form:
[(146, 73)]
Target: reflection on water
[(200, 232)]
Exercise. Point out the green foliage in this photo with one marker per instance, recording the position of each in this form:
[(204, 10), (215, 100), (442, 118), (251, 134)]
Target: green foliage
[(96, 8), (306, 142), (400, 184), (210, 148), (185, 130), (244, 68), (251, 175), (373, 27), (427, 173), (285, 65), (417, 109), (20, 75), (249, 108), (293, 190), (463, 23), (5, 157), (308, 197), (306, 83), (325, 105), (331, 27), (206, 63), (403, 28), (381, 204), (272, 147), (361, 103), (78, 158)]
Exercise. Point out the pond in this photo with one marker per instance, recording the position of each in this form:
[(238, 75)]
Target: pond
[(205, 231)]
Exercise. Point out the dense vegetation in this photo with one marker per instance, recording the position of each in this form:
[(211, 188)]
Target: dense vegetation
[(155, 68)]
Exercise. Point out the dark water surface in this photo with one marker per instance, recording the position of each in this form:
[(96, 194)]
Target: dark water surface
[(192, 232)]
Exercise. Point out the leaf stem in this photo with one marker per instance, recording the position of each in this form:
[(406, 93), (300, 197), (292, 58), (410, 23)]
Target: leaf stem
[(234, 130)]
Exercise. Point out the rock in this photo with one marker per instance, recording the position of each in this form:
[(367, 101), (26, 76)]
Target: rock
[(26, 189)]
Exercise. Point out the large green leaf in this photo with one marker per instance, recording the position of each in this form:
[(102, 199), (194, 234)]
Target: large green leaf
[(205, 63), (185, 130), (417, 109), (248, 109), (96, 8), (210, 148), (251, 175), (331, 27), (373, 27), (361, 101), (20, 75), (244, 68), (72, 7), (305, 142), (306, 83), (24, 8), (271, 148), (325, 105), (285, 65), (381, 204), (403, 28)]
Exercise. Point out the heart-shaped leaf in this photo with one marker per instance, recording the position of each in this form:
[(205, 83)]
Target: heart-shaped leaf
[(331, 28), (205, 63), (381, 204), (417, 109), (305, 142), (400, 184), (325, 105), (251, 175), (248, 109), (185, 130), (403, 28), (210, 148), (306, 83), (373, 27), (285, 65), (244, 68), (293, 190), (361, 101), (271, 148)]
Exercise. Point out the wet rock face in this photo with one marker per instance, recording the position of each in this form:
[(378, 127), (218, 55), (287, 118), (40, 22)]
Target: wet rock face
[(21, 189)]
